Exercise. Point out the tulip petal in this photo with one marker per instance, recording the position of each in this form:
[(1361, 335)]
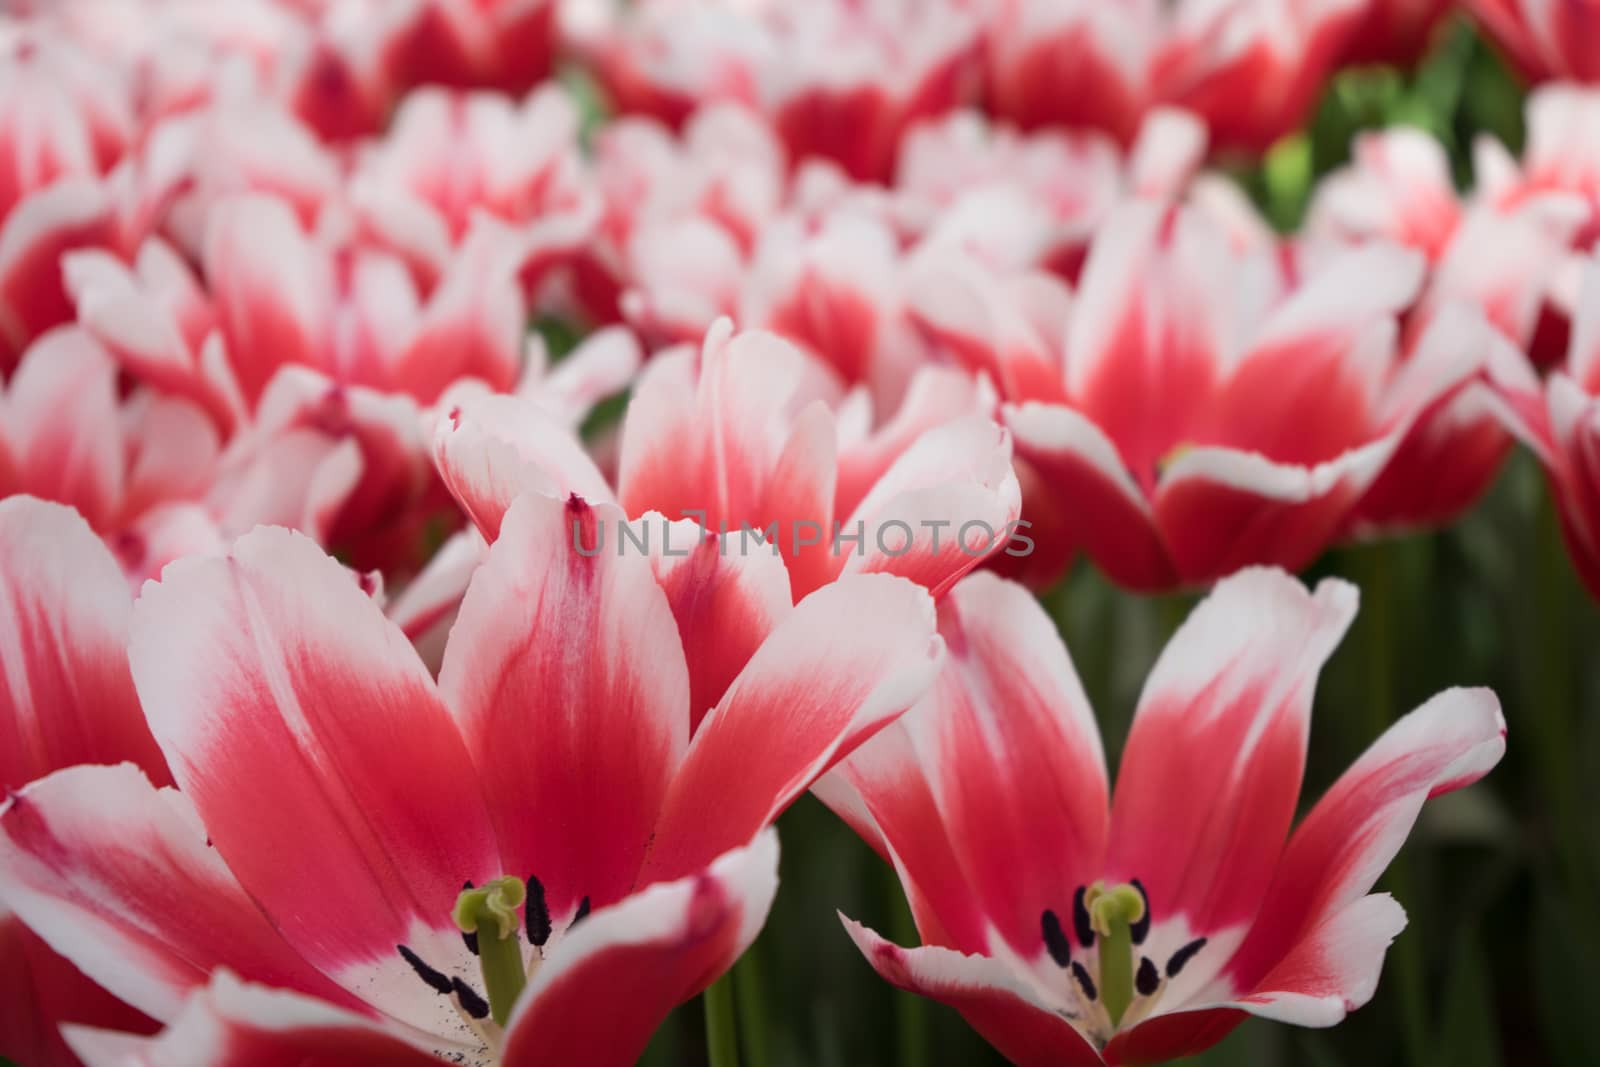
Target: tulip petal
[(1102, 507), (490, 449), (1220, 509), (40, 990), (1008, 1014), (943, 506), (61, 426), (614, 977), (1347, 840), (848, 660), (64, 608), (1015, 758), (726, 596), (301, 722), (567, 676), (1223, 723), (230, 1023), (1333, 970), (118, 877)]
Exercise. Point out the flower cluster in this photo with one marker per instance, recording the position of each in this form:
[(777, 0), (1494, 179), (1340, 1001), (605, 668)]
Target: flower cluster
[(375, 692)]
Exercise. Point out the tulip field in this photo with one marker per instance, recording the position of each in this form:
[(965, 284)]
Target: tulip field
[(799, 533)]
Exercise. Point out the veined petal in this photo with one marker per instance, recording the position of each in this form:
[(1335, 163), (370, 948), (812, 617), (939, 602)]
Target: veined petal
[(956, 480), (1333, 970), (1014, 755), (230, 1023), (67, 695), (40, 990), (490, 449), (301, 723), (567, 676), (65, 440), (726, 593), (1103, 509), (849, 659), (614, 977), (1006, 1012), (1219, 509), (1347, 840), (118, 877), (1222, 723)]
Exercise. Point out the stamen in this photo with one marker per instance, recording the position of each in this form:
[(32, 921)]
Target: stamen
[(1148, 979), (1055, 938), (1080, 918), (492, 911), (471, 1003), (1081, 973), (1112, 912), (581, 914), (538, 913), (1141, 929), (1183, 956), (437, 981)]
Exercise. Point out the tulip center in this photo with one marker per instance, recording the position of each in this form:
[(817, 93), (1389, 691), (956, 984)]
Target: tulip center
[(488, 915), (1116, 979)]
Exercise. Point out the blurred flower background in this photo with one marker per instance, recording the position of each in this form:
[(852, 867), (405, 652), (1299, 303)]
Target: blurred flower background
[(1189, 285)]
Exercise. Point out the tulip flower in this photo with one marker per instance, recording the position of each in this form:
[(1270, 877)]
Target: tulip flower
[(336, 800), (1545, 39), (69, 699), (1190, 417), (1560, 422), (739, 436), (1072, 928)]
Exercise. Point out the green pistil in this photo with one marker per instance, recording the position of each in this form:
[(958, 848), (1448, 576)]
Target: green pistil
[(490, 911), (1111, 913)]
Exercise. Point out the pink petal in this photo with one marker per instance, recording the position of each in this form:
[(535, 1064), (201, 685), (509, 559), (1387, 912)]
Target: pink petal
[(40, 990), (1333, 969), (884, 792), (229, 1023), (1341, 848), (726, 597), (848, 660), (491, 449), (1102, 508), (955, 481), (300, 722), (62, 426), (471, 327), (1014, 756), (64, 607), (567, 676), (118, 877), (1006, 1012), (70, 214), (1220, 509), (273, 289), (1222, 724), (613, 979)]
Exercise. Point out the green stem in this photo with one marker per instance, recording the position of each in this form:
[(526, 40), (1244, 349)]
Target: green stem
[(751, 1001), (1552, 702), (722, 1037), (1379, 604), (910, 1010)]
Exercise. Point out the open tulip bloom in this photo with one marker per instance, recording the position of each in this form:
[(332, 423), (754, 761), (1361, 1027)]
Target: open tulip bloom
[(1070, 930), (531, 860)]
